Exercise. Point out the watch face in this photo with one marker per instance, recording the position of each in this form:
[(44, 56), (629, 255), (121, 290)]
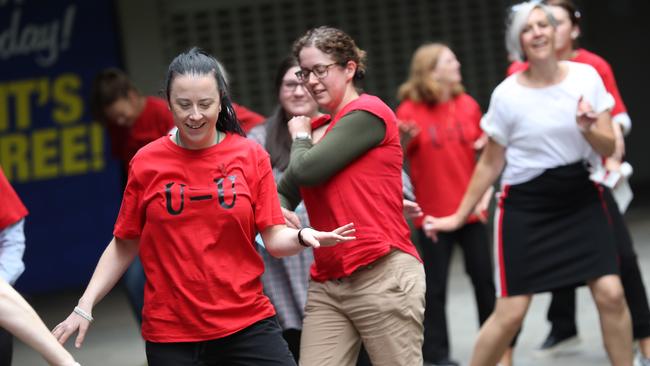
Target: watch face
[(303, 135)]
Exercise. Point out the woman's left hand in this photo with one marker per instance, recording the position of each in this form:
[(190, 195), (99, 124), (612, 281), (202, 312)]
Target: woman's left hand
[(411, 209), (299, 124), (315, 238)]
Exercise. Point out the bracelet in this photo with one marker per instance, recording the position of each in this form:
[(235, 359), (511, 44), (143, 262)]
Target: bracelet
[(300, 241), (82, 313)]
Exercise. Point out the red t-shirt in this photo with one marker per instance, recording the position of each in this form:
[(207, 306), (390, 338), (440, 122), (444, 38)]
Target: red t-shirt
[(442, 157), (367, 192), (247, 118), (12, 207), (602, 67), (196, 213), (155, 121)]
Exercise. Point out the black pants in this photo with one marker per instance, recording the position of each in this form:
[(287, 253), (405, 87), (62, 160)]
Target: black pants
[(6, 347), (259, 344), (473, 239), (561, 312)]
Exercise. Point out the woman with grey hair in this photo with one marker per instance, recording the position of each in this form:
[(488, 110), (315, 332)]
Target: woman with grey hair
[(545, 125)]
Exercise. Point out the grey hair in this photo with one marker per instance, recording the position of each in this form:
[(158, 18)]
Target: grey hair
[(517, 21)]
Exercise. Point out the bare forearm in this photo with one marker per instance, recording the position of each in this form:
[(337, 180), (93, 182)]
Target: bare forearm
[(282, 241), (600, 135), (486, 172), (116, 258), (602, 143), (18, 317)]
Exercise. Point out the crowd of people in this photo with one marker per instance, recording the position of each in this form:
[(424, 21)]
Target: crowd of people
[(285, 240)]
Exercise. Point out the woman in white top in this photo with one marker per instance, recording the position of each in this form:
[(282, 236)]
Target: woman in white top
[(551, 231)]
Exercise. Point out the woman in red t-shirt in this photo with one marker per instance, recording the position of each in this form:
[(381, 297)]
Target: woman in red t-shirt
[(192, 206), (370, 290), (441, 136)]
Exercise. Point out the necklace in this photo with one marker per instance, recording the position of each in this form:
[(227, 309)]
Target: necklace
[(179, 142)]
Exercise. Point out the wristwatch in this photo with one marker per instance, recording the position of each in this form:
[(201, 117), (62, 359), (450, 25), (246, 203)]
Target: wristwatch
[(302, 136)]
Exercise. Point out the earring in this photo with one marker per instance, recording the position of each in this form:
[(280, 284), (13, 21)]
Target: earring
[(574, 34)]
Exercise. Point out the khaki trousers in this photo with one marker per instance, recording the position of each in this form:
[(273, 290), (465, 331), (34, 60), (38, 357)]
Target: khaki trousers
[(381, 304)]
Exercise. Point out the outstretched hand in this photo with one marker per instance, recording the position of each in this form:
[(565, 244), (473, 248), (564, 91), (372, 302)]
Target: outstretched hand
[(432, 225), (73, 323), (315, 238)]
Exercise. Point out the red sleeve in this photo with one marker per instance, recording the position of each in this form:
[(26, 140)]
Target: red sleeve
[(247, 118), (12, 207), (607, 75), (475, 116), (516, 67), (266, 202), (131, 217)]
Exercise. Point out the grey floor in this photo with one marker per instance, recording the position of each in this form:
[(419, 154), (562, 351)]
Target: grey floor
[(114, 338)]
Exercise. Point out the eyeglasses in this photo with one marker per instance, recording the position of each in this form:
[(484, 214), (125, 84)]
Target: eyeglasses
[(290, 86), (320, 71)]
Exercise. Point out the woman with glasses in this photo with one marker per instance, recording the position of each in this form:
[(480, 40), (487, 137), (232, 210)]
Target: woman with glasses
[(561, 312), (441, 137), (285, 279), (551, 230), (369, 290), (193, 203)]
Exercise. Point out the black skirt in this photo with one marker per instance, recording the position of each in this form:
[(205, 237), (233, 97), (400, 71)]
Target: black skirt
[(552, 232)]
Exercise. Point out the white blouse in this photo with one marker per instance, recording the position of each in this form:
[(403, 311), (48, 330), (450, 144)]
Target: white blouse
[(538, 127)]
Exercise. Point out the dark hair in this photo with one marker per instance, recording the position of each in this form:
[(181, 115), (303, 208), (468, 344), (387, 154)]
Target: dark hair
[(196, 61), (278, 140), (337, 44), (108, 86), (569, 6)]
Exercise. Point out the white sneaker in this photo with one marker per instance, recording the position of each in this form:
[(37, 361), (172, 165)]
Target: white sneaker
[(640, 360)]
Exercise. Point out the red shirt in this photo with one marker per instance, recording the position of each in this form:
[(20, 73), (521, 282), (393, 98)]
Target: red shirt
[(247, 118), (367, 192), (442, 157), (196, 213), (12, 208), (155, 121), (602, 67)]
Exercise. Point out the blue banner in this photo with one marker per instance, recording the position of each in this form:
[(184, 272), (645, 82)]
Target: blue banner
[(55, 156)]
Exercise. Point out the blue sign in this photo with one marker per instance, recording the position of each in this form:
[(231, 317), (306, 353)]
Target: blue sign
[(52, 152)]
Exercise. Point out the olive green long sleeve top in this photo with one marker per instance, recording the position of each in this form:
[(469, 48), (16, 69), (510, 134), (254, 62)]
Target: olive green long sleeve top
[(352, 136)]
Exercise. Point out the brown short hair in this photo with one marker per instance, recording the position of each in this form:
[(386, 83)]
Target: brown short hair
[(337, 44), (108, 86)]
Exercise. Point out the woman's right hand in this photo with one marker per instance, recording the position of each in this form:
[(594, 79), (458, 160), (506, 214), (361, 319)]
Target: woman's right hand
[(407, 131), (73, 323), (299, 124), (432, 225), (291, 219)]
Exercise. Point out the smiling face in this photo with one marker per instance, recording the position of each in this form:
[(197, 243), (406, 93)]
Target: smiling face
[(538, 36), (329, 91), (447, 69), (195, 103), (294, 98)]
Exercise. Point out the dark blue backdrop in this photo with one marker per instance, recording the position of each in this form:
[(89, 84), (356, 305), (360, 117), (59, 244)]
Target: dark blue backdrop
[(57, 159)]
